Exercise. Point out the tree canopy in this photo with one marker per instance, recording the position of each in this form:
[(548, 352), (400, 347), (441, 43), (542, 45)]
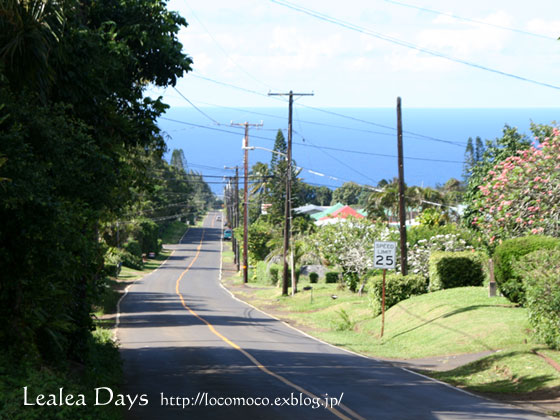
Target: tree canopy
[(75, 135)]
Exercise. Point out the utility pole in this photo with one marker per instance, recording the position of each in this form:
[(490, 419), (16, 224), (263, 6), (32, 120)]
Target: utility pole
[(235, 214), (402, 210), (288, 210), (246, 197), (236, 217)]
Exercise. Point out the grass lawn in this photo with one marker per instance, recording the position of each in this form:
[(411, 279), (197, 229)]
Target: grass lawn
[(173, 232), (448, 322)]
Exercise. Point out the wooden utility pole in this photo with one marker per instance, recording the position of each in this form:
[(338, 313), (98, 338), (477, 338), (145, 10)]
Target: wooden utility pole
[(288, 207), (236, 217), (402, 209), (246, 198), (235, 214)]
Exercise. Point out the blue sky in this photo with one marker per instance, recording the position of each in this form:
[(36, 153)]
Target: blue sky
[(263, 46)]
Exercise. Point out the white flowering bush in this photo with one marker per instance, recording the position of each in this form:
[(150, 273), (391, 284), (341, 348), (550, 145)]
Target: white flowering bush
[(419, 254), (350, 245)]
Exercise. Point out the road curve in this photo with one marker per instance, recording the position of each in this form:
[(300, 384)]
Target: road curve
[(191, 350)]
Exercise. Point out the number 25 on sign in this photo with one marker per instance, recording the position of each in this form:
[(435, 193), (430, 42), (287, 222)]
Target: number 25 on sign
[(384, 257)]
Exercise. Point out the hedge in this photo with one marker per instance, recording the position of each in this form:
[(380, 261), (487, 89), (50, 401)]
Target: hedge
[(456, 269), (510, 251), (313, 277), (540, 272), (332, 277), (397, 288)]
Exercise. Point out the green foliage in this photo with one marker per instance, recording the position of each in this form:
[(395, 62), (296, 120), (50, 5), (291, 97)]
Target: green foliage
[(262, 275), (344, 321), (351, 280), (495, 151), (260, 234), (101, 367), (75, 134), (273, 271), (311, 194), (426, 232), (397, 288), (350, 245), (456, 269), (350, 194), (432, 217), (127, 258), (505, 256), (145, 233), (539, 270), (112, 263), (332, 277), (133, 246), (313, 277)]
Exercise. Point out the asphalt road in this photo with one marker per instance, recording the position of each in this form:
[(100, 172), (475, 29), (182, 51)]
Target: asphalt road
[(189, 346)]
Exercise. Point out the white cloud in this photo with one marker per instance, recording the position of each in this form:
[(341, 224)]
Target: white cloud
[(294, 49), (543, 27), (467, 39)]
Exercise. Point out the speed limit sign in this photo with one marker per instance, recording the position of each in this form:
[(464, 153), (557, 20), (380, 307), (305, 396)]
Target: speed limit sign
[(384, 254)]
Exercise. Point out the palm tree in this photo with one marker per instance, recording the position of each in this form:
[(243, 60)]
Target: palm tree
[(261, 176), (29, 32)]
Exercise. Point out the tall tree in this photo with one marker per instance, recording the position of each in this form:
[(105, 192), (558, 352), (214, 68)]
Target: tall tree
[(178, 160), (469, 159), (77, 131), (495, 152)]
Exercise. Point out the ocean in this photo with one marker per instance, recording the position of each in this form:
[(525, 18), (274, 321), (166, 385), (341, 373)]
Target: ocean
[(333, 146)]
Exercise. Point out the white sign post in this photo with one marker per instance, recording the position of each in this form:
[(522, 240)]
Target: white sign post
[(384, 256)]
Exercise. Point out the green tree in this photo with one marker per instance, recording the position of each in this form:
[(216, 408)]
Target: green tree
[(350, 194), (178, 160), (277, 185), (76, 136), (495, 152)]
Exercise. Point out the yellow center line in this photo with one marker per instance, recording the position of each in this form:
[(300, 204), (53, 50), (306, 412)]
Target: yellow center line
[(250, 356)]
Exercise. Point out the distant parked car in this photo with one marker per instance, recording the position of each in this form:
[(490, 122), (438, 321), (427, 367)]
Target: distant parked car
[(218, 217), (227, 234)]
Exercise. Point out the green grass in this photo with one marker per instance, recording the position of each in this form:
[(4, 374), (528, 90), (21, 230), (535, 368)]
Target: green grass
[(462, 320), (173, 232), (516, 370), (447, 322)]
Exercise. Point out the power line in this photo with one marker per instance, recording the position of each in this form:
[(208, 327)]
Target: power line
[(224, 51), (195, 107), (348, 117), (374, 154), (309, 145), (406, 44), (479, 22)]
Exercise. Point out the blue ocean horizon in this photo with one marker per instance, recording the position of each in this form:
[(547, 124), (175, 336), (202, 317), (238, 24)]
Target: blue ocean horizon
[(346, 144)]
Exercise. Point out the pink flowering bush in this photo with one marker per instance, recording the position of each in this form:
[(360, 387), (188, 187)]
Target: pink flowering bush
[(521, 195)]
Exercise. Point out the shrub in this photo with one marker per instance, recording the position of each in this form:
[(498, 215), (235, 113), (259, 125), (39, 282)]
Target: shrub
[(507, 253), (456, 269), (273, 271), (423, 232), (263, 275), (419, 254), (313, 277), (344, 322), (397, 288), (332, 277), (133, 246), (128, 258), (351, 280), (112, 263), (148, 236), (540, 270)]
